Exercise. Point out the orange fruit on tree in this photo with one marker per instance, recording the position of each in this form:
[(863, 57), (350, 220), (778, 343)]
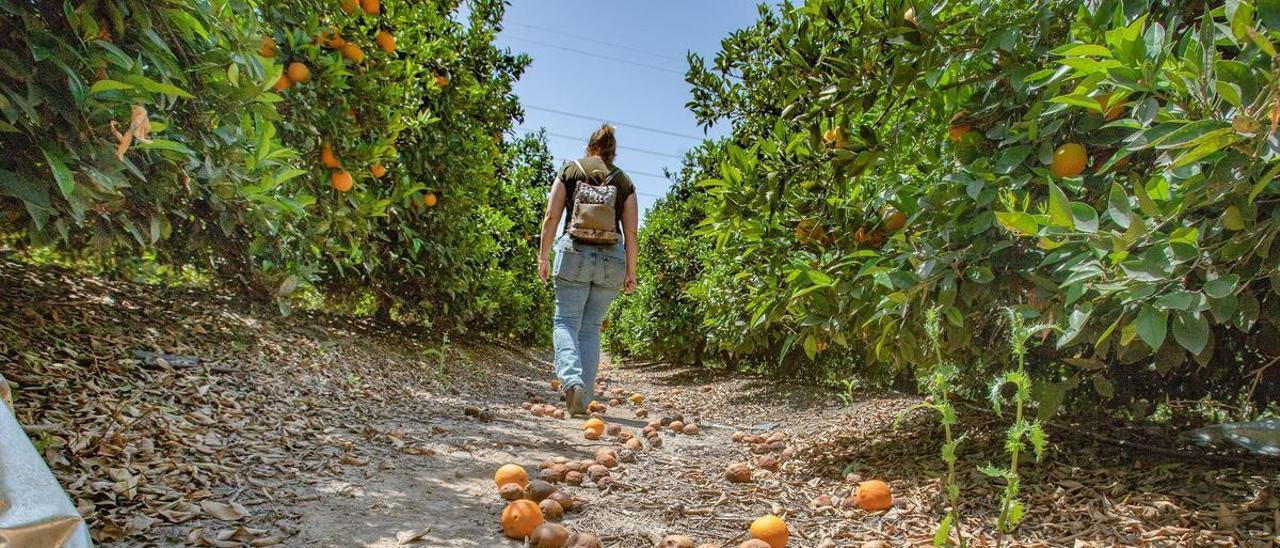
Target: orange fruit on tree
[(341, 180), (1069, 160), (328, 159), (442, 80), (894, 220), (282, 83), (378, 170), (430, 199), (520, 518), (873, 496), (268, 47), (595, 425), (1109, 114), (298, 72), (334, 40), (511, 473), (386, 41), (352, 52), (350, 6), (371, 7), (772, 530)]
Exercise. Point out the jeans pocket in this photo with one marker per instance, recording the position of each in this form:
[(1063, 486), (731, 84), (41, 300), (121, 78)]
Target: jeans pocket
[(612, 271), (571, 265)]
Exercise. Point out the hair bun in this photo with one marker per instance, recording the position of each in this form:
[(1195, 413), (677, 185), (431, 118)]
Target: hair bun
[(603, 143)]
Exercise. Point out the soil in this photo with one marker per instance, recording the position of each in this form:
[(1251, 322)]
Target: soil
[(181, 417)]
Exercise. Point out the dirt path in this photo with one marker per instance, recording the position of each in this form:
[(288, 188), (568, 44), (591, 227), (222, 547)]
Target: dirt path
[(252, 429)]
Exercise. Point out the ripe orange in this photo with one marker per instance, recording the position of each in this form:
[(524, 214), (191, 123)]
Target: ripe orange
[(1109, 114), (442, 80), (594, 425), (894, 220), (350, 6), (520, 518), (430, 199), (328, 159), (378, 170), (957, 132), (352, 52), (371, 7), (268, 47), (1069, 160), (342, 181), (511, 473), (282, 83), (873, 496), (386, 41), (298, 72), (772, 530)]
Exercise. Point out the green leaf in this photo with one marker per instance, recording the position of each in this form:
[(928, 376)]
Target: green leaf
[(165, 144), (108, 85), (1018, 222), (1076, 323), (1084, 217), (1176, 300), (942, 537), (1104, 387), (1209, 146), (1118, 206), (979, 274), (1010, 158), (61, 173), (1269, 13), (1221, 287), (810, 346), (1242, 22), (1153, 325), (1082, 50), (1059, 208), (1191, 330), (1049, 397)]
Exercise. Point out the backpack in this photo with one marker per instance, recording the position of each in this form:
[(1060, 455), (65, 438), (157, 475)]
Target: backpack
[(594, 219)]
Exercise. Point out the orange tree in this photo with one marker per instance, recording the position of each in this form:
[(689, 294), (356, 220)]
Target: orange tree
[(661, 317), (351, 149), (130, 125), (1106, 167)]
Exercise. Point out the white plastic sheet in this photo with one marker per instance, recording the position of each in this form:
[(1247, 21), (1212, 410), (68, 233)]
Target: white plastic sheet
[(34, 510)]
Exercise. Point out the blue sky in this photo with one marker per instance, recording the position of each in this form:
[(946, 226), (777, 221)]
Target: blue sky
[(620, 61)]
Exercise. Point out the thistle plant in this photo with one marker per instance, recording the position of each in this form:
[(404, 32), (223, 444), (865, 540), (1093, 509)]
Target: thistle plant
[(940, 388), (1015, 385)]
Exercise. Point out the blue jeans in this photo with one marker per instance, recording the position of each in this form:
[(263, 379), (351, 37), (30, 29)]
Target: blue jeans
[(588, 279)]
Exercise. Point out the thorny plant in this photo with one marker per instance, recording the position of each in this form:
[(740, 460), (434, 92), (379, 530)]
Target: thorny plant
[(1015, 385), (939, 385)]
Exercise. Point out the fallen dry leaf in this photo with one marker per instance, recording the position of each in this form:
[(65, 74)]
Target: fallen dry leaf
[(225, 512), (407, 537)]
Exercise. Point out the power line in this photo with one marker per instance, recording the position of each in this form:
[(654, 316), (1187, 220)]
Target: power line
[(594, 54), (602, 42), (619, 124), (624, 147)]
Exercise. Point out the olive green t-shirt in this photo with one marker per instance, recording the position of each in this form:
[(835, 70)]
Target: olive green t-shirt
[(570, 176)]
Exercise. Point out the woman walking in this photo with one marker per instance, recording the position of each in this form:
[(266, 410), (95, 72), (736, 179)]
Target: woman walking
[(595, 258)]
